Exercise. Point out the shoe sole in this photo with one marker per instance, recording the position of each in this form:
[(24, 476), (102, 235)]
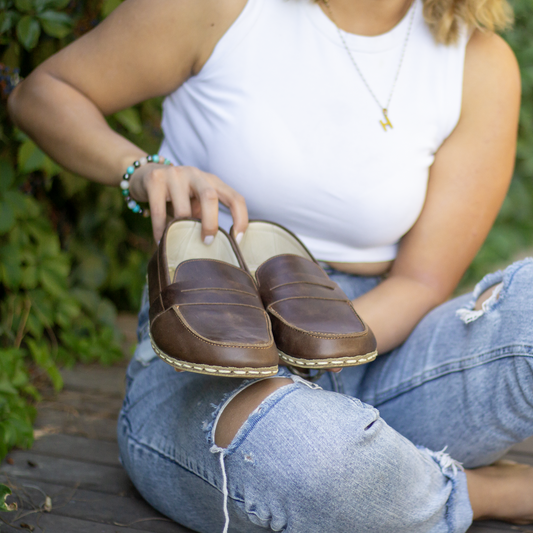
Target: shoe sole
[(336, 362), (212, 370)]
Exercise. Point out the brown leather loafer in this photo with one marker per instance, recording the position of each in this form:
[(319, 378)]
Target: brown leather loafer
[(206, 315), (315, 324)]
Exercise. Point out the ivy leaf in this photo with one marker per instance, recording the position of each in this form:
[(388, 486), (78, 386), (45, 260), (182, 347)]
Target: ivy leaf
[(8, 20), (52, 282), (130, 119), (24, 5), (54, 4), (28, 32), (55, 376), (108, 6), (10, 271), (4, 493), (30, 157), (17, 201), (56, 24), (7, 174), (7, 217)]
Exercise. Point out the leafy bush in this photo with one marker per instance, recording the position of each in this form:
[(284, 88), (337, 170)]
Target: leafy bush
[(71, 254)]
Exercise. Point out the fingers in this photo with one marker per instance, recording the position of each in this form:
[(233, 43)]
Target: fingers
[(192, 193), (156, 188), (238, 209)]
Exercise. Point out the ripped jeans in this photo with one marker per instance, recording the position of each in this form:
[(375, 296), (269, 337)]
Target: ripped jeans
[(320, 457)]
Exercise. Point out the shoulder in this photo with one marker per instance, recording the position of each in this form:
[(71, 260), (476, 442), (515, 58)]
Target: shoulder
[(144, 48), (189, 27), (491, 71)]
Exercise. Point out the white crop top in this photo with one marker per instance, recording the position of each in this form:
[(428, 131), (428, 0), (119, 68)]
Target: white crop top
[(280, 114)]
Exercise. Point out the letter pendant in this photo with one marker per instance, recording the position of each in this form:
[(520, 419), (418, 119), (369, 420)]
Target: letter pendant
[(385, 124)]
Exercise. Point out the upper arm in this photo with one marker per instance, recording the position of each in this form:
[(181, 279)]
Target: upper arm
[(471, 172), (145, 48)]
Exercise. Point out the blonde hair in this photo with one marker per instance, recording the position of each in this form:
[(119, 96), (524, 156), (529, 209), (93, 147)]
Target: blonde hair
[(445, 17)]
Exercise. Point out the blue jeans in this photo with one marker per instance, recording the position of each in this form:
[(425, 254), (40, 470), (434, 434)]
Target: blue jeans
[(320, 457)]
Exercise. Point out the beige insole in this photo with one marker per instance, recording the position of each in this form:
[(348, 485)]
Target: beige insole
[(262, 241), (184, 241)]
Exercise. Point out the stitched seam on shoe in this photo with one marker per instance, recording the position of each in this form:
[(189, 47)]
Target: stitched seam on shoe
[(319, 334), (181, 318), (221, 289), (219, 303), (213, 370), (216, 261), (316, 283)]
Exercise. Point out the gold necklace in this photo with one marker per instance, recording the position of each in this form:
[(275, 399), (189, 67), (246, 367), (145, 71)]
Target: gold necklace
[(384, 109)]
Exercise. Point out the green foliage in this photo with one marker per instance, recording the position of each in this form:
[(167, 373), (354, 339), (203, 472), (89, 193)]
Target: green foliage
[(70, 253), (4, 493)]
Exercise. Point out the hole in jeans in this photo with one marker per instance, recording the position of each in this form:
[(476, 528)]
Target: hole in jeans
[(491, 291), (241, 407)]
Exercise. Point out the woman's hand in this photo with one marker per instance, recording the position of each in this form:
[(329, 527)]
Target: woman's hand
[(191, 192)]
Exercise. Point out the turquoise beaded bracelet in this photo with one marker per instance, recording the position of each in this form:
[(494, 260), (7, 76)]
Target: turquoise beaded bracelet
[(125, 183)]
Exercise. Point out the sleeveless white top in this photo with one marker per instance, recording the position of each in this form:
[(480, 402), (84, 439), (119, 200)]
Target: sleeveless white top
[(280, 114)]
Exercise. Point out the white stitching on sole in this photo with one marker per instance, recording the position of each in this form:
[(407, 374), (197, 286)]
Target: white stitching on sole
[(209, 370), (332, 363)]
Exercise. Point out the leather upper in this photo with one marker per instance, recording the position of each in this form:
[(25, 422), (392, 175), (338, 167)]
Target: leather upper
[(311, 316), (210, 313)]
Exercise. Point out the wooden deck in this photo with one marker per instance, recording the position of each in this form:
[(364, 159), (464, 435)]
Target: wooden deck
[(74, 467)]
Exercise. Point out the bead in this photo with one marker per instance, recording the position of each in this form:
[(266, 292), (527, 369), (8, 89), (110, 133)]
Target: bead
[(155, 158), (167, 162), (132, 204), (143, 161), (125, 192), (124, 184), (137, 164), (130, 170), (149, 159), (128, 198), (146, 213), (136, 209)]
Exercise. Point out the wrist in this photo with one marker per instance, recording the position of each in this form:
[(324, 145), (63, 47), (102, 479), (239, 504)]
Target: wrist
[(133, 188)]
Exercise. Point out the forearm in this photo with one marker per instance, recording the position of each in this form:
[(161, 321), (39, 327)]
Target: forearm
[(71, 129), (394, 308)]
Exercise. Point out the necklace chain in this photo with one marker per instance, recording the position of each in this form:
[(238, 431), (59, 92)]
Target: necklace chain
[(384, 110)]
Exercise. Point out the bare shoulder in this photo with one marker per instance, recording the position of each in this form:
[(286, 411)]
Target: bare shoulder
[(491, 72), (145, 48)]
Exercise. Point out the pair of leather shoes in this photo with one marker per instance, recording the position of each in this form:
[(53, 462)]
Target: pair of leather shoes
[(232, 310)]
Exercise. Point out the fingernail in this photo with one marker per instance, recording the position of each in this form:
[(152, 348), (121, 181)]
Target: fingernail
[(209, 239), (239, 237)]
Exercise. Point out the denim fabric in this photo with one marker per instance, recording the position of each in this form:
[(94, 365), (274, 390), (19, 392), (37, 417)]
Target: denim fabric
[(320, 457)]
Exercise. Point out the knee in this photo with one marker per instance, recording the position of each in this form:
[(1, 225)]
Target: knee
[(237, 411)]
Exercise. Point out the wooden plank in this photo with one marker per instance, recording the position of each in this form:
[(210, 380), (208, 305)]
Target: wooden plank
[(50, 421), (101, 508), (86, 403), (492, 526), (77, 448), (51, 523), (96, 379), (520, 458), (524, 447), (68, 472)]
